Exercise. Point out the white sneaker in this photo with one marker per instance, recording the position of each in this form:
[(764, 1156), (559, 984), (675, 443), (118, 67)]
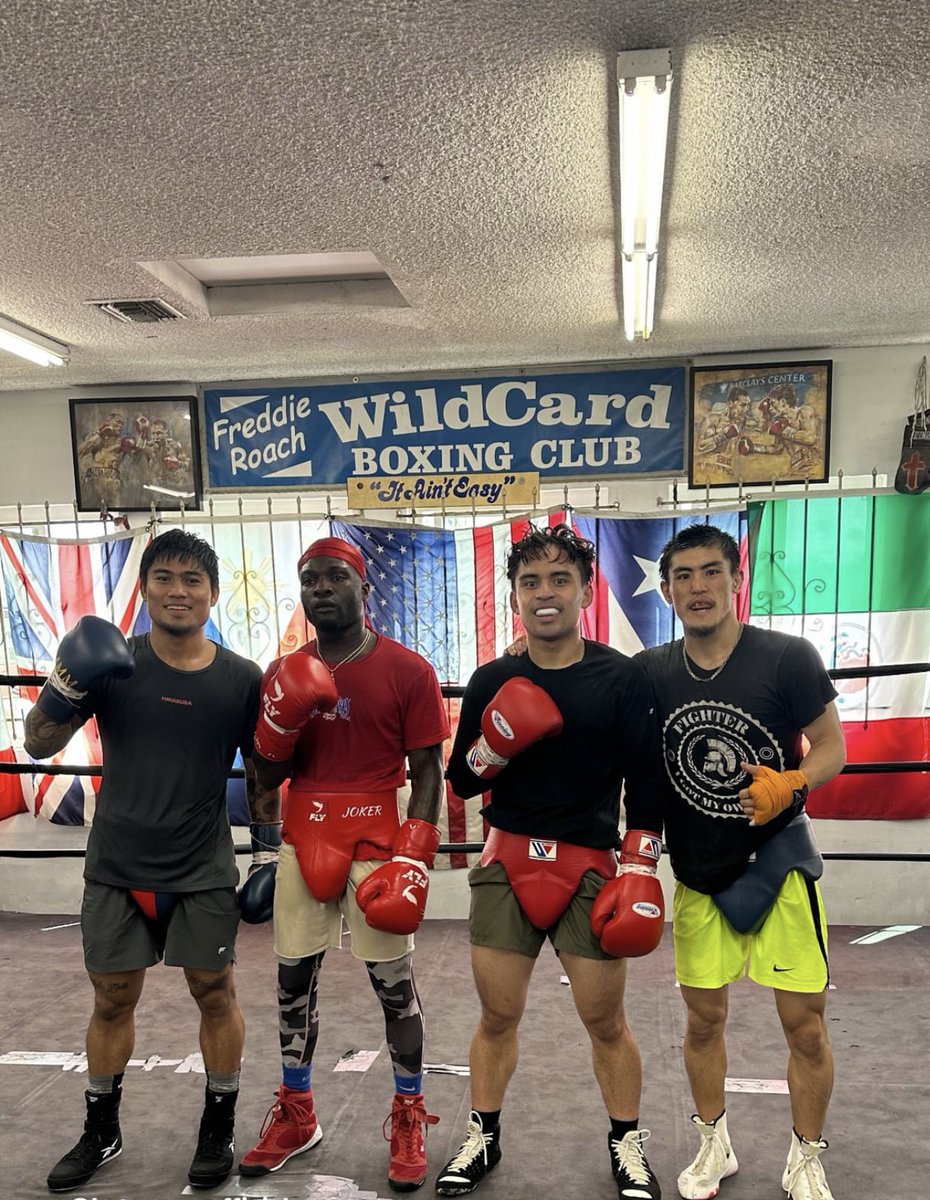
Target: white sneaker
[(803, 1177), (715, 1161)]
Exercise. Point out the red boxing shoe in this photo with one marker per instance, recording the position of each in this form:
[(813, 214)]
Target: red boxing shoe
[(409, 1120), (289, 1129)]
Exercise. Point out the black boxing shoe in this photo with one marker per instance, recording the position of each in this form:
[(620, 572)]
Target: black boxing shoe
[(216, 1146), (100, 1142), (478, 1154), (632, 1173)]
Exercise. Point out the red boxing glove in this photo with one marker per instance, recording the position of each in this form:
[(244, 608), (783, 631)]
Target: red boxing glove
[(519, 715), (628, 916), (745, 446), (393, 897), (299, 687)]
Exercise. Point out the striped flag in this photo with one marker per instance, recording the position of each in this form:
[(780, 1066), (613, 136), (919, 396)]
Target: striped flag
[(445, 594), (442, 592), (847, 574), (48, 587), (12, 790), (851, 576)]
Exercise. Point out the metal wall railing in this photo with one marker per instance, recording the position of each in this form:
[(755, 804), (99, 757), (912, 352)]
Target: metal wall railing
[(259, 539)]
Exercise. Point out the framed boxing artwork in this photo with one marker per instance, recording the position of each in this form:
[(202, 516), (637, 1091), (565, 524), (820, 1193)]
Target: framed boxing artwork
[(759, 423), (131, 454)]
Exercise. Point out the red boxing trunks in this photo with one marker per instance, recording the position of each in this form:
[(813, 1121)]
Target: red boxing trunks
[(331, 830), (543, 873), (157, 906)]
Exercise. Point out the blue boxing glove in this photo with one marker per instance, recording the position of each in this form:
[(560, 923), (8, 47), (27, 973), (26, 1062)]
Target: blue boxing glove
[(93, 650), (256, 896)]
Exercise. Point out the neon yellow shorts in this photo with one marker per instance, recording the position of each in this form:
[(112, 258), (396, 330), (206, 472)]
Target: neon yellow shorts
[(789, 952)]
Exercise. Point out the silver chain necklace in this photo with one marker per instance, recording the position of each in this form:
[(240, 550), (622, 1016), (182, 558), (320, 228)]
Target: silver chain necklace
[(356, 653), (717, 670)]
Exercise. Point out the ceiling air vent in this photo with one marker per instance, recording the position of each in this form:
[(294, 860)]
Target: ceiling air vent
[(138, 312)]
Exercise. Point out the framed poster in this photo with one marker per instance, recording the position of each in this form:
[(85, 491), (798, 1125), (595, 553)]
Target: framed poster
[(130, 454), (759, 423)]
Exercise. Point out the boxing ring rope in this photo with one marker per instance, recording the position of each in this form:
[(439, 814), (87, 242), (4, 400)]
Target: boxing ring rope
[(454, 691), (250, 623)]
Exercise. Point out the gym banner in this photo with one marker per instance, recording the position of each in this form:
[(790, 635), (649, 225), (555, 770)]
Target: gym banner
[(444, 491), (572, 424)]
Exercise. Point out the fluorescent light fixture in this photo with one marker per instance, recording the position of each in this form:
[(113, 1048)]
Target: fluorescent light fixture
[(644, 79), (17, 339)]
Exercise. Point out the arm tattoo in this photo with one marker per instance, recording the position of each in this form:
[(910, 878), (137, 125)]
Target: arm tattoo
[(264, 803)]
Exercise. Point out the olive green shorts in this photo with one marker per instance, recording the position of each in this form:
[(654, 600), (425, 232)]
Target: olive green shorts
[(497, 920), (789, 952)]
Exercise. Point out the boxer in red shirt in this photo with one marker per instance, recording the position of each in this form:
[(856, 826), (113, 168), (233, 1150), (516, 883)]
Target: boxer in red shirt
[(341, 719)]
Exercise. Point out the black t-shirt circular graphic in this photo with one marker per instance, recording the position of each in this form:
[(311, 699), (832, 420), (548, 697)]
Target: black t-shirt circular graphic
[(704, 743), (753, 711)]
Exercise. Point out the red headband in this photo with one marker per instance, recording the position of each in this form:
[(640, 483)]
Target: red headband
[(334, 548)]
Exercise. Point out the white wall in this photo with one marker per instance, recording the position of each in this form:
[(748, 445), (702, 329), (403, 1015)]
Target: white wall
[(873, 391), (35, 440)]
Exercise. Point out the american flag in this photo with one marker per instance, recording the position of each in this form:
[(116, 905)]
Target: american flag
[(442, 592), (445, 594)]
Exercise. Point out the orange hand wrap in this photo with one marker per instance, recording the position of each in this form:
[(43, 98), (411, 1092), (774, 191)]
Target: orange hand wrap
[(772, 791)]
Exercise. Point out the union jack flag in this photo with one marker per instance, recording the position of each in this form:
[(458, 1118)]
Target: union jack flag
[(13, 793), (48, 586)]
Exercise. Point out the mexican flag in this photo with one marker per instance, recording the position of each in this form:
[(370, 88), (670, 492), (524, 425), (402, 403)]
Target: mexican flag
[(851, 575)]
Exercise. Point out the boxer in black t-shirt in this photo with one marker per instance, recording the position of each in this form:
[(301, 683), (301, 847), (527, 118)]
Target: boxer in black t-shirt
[(734, 702), (172, 708)]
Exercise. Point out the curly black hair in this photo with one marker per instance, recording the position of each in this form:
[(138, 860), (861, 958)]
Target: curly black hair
[(536, 542)]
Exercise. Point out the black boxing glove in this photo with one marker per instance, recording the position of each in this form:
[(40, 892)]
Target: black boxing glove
[(93, 650)]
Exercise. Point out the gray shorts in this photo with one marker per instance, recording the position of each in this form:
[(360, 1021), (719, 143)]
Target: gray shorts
[(496, 919), (200, 933)]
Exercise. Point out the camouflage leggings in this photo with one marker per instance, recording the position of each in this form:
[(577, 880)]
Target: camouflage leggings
[(299, 1015)]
